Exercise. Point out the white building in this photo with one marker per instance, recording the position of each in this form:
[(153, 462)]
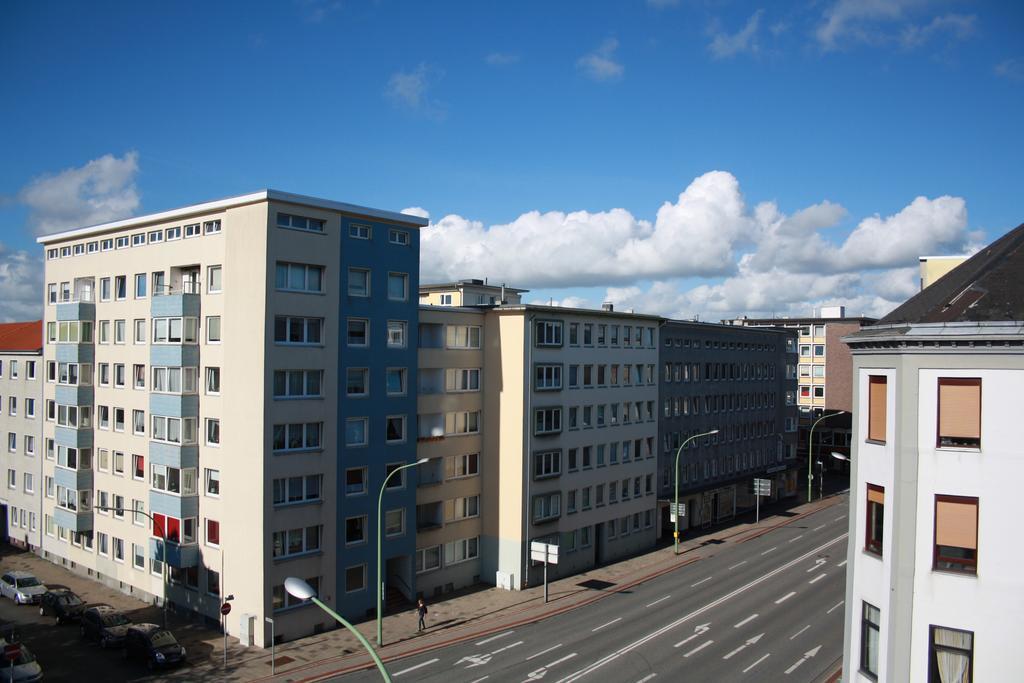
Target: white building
[(934, 589)]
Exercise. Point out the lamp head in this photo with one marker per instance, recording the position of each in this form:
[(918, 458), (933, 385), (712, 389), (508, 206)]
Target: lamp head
[(713, 431), (839, 456), (298, 588), (422, 460)]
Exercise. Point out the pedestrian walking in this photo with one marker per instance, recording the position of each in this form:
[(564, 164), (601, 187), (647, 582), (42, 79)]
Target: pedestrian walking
[(421, 610)]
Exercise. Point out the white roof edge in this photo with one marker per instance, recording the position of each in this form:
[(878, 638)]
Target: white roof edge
[(238, 200), (927, 258)]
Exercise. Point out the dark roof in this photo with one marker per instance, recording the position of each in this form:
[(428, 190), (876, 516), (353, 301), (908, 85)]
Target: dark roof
[(21, 336), (989, 286), (782, 322)]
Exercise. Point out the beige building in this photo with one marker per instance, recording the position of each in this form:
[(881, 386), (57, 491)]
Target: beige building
[(193, 362), (469, 292), (21, 347), (934, 267)]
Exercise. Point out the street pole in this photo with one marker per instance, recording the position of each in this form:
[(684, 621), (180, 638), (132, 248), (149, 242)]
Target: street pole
[(273, 648), (757, 505), (810, 452), (675, 530), (380, 537), (545, 573)]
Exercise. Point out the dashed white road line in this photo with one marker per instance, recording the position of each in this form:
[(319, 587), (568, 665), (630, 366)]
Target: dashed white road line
[(794, 667), (544, 652), (799, 632), (482, 678), (746, 621), (738, 564), (769, 550), (785, 597), (652, 604), (500, 635), (757, 662), (835, 607), (795, 538), (647, 678), (694, 585), (819, 528), (817, 578), (594, 630), (413, 668), (699, 648), (839, 518), (841, 563)]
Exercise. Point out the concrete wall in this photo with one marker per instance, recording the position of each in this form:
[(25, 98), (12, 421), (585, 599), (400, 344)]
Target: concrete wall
[(24, 505)]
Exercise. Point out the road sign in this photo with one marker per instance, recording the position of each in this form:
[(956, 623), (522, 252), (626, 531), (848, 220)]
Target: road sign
[(544, 552), (12, 651), (762, 487), (225, 609), (673, 511)]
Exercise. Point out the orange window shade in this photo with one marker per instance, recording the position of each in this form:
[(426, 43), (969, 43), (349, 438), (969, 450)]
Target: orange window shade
[(876, 407), (876, 495), (956, 523), (960, 408)]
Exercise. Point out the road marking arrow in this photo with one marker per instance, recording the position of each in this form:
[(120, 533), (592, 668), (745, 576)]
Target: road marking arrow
[(817, 563), (807, 655), (538, 674), (750, 641), (698, 631)]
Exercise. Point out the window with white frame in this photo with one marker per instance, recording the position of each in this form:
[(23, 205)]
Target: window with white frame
[(297, 436), (298, 489), (547, 420), (395, 429), (359, 282), (459, 466), (214, 279), (176, 430), (287, 220), (461, 550), (298, 331), (396, 381), (461, 422), (397, 334), (400, 237), (548, 376), (358, 333), (547, 506), (299, 277), (297, 541), (462, 379), (428, 559), (548, 333), (547, 464), (398, 286), (463, 336), (297, 383)]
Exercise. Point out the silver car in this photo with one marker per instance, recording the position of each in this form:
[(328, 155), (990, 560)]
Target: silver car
[(25, 670), (21, 587)]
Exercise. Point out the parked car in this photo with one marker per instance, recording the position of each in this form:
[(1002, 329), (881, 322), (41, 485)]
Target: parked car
[(25, 669), (154, 645), (62, 604), (105, 625), (21, 587)]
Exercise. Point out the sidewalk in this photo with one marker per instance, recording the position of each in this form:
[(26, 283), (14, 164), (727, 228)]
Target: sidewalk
[(479, 612)]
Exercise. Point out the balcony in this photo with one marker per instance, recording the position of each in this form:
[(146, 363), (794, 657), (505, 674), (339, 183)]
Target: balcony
[(174, 405), (430, 516), (74, 438), (430, 427), (78, 480), (73, 395), (430, 473), (173, 505), (73, 520), (179, 555), (173, 455), (82, 309), (431, 336), (431, 380)]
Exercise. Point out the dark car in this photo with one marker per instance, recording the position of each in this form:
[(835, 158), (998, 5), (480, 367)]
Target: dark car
[(61, 604), (105, 625), (154, 645)]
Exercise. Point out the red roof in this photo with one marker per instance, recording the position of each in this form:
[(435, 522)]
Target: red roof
[(21, 336)]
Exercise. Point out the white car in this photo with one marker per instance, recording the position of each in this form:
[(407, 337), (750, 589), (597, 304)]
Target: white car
[(21, 587), (25, 669)]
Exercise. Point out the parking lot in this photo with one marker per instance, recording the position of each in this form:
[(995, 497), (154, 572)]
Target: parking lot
[(61, 652)]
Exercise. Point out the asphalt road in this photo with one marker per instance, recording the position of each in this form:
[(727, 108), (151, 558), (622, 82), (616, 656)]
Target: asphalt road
[(769, 609)]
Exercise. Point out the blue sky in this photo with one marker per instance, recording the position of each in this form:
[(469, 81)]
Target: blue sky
[(686, 158)]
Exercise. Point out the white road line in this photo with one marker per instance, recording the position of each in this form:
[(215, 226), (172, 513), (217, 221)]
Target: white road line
[(746, 621), (796, 538), (835, 607), (646, 678), (594, 630), (694, 585), (794, 667), (817, 578), (841, 563), (413, 668), (659, 600), (738, 564), (819, 528), (544, 652), (799, 632), (699, 648), (500, 635), (769, 550), (594, 666), (756, 663), (484, 678), (507, 647), (785, 597), (839, 518)]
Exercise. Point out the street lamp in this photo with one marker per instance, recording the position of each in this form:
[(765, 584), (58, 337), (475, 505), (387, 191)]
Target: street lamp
[(810, 451), (303, 591), (163, 547), (380, 534), (675, 531), (840, 456), (273, 647)]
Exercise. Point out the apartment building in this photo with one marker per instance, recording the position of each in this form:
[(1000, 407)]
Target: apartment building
[(469, 292), (21, 348), (934, 267), (741, 381), (933, 587), (194, 409)]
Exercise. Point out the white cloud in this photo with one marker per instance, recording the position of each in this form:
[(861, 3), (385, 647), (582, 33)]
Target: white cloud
[(757, 260), (725, 45), (411, 90), (101, 190), (855, 20), (416, 211), (1012, 69), (501, 58), (566, 302), (21, 286), (600, 64), (956, 26)]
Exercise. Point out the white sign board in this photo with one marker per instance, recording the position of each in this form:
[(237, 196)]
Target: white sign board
[(673, 512), (544, 552), (762, 487)]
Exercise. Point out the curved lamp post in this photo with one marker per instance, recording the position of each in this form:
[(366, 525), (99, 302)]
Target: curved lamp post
[(380, 534), (675, 531), (810, 451), (303, 591)]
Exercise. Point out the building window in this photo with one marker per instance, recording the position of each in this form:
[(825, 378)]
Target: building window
[(547, 507), (819, 350), (396, 334), (355, 481), (360, 232), (869, 632), (549, 333), (140, 286), (212, 482), (299, 277), (463, 337), (214, 284), (355, 578), (212, 431), (355, 431), (192, 230), (213, 380), (959, 419), (358, 282), (297, 436), (547, 464), (428, 559), (950, 655), (462, 508), (875, 519), (394, 522), (396, 381), (357, 382), (358, 332), (461, 550), (296, 383), (877, 385), (395, 432), (355, 530), (174, 330), (462, 422), (297, 541), (400, 237), (548, 377), (398, 286), (458, 466), (462, 379), (287, 220), (302, 331), (547, 420), (956, 534)]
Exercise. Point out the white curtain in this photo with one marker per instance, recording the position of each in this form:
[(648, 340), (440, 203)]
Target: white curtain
[(953, 665)]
